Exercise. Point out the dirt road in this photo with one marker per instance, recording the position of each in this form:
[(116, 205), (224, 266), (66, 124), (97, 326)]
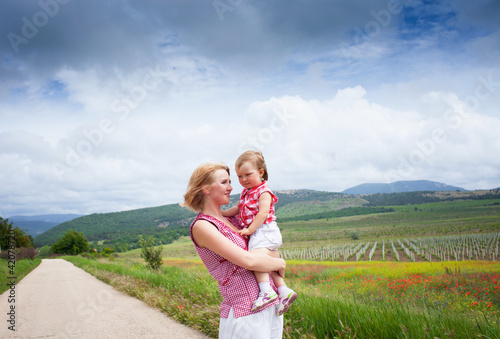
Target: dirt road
[(59, 300)]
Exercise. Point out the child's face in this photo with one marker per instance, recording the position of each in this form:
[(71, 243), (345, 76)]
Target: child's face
[(248, 175)]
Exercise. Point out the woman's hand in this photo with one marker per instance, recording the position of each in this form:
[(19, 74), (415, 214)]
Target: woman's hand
[(281, 272)]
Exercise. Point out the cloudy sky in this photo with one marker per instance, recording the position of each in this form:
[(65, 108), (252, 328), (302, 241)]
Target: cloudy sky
[(110, 105)]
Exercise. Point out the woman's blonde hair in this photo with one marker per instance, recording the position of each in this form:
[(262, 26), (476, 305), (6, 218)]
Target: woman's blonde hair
[(255, 158), (203, 175)]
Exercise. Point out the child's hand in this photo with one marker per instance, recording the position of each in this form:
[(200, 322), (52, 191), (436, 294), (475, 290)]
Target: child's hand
[(244, 232)]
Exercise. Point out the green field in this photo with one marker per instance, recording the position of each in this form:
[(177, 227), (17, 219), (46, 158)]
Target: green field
[(313, 207), (374, 289), (431, 219)]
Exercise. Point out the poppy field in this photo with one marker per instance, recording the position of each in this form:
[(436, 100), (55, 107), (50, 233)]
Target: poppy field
[(392, 300)]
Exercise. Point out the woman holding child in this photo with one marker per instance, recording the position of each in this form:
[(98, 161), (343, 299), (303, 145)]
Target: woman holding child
[(224, 252)]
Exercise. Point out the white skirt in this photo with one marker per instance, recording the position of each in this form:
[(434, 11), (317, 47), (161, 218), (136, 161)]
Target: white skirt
[(266, 236), (262, 325)]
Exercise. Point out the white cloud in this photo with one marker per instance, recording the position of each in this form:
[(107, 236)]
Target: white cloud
[(349, 140), (325, 145)]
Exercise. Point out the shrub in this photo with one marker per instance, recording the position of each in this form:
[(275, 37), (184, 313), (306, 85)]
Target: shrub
[(28, 253), (72, 243), (108, 250), (20, 253), (45, 251), (354, 235), (150, 253)]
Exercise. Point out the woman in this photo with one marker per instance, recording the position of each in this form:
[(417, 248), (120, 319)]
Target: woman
[(224, 253)]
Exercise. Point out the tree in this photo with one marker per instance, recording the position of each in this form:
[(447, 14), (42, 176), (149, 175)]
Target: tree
[(354, 235), (72, 243), (12, 235), (150, 253), (45, 251)]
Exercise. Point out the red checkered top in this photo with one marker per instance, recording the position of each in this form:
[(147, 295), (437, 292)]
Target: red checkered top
[(249, 204), (237, 285)]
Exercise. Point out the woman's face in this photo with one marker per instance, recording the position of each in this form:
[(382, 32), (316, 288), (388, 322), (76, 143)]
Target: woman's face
[(221, 189)]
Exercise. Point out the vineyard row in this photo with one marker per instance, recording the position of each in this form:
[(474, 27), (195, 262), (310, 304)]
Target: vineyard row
[(442, 248)]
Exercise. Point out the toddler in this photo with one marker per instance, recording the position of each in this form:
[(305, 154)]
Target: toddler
[(256, 213)]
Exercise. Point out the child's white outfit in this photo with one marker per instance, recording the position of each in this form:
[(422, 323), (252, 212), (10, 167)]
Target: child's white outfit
[(268, 235)]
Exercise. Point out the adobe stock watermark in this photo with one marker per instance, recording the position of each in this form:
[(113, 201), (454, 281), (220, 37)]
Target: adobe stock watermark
[(31, 26), (280, 119), (120, 109), (89, 311), (486, 87), (372, 28), (223, 6)]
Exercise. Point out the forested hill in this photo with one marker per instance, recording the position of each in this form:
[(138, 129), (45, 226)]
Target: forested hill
[(168, 222), (164, 222), (124, 227)]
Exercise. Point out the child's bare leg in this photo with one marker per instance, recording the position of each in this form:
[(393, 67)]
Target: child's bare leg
[(261, 277), (267, 294), (264, 276), (287, 295), (278, 280)]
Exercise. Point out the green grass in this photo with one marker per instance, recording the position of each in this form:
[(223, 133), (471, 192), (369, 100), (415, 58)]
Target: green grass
[(328, 318), (343, 300), (19, 271), (181, 248)]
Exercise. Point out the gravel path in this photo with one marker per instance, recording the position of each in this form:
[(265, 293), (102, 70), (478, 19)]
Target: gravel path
[(59, 300)]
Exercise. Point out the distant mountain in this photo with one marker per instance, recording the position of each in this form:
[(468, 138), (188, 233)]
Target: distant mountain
[(38, 224), (57, 218), (402, 186)]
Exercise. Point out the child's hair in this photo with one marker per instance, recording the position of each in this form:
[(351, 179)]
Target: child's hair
[(254, 157), (202, 175)]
